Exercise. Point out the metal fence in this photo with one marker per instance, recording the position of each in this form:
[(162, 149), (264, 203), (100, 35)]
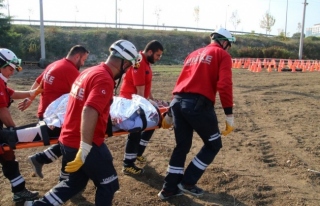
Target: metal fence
[(120, 25)]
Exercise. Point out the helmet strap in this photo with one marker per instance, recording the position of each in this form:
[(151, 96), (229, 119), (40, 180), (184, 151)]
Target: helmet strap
[(219, 43), (119, 81), (223, 47)]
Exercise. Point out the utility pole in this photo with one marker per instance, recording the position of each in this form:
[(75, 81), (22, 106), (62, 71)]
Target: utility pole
[(285, 30), (302, 29), (42, 43), (225, 23), (142, 14), (8, 9), (116, 13)]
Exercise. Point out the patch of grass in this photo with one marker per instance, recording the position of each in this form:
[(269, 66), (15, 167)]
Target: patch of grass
[(167, 70)]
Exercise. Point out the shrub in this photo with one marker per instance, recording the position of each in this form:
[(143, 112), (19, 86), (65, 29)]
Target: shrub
[(311, 50), (24, 29), (277, 52), (297, 35), (250, 52)]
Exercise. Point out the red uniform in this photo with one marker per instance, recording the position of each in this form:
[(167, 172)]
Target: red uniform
[(58, 78), (10, 167), (94, 88), (205, 72), (137, 77), (215, 75), (5, 94)]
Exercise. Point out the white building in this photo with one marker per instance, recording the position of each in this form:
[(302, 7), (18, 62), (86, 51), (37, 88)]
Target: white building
[(313, 31)]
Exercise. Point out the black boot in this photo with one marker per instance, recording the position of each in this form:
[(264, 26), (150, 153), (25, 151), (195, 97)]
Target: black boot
[(9, 137)]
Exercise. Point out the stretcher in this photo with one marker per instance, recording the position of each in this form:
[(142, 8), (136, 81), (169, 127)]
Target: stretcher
[(23, 145)]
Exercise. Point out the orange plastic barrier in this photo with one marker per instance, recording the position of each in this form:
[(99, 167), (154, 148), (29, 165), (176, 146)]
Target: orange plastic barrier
[(269, 68), (269, 65)]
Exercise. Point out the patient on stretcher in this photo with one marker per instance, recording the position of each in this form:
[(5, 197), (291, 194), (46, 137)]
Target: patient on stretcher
[(130, 115)]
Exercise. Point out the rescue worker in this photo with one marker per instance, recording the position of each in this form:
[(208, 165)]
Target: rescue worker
[(10, 167), (205, 72)]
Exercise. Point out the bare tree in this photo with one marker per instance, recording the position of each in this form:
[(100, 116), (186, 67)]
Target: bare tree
[(196, 14), (267, 22), (299, 27), (4, 25), (235, 19), (30, 13), (157, 12), (75, 14), (2, 6)]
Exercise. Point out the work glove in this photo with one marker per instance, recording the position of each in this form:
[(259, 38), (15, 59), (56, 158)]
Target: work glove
[(229, 126), (167, 121), (80, 158)]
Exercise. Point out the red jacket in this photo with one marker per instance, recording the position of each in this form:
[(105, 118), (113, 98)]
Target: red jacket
[(207, 71)]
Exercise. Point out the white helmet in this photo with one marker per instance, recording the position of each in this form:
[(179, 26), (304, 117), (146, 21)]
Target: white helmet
[(127, 50), (10, 59), (224, 33)]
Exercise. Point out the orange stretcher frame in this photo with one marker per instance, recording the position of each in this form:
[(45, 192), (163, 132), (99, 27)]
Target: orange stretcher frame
[(23, 145)]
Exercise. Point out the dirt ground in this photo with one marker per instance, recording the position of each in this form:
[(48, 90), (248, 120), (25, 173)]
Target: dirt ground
[(265, 161)]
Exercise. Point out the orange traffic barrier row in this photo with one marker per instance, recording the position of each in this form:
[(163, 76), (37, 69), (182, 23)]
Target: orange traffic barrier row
[(279, 65)]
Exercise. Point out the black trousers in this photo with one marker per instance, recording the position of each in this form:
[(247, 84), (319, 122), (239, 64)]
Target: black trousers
[(192, 113), (10, 169), (133, 146), (98, 167)]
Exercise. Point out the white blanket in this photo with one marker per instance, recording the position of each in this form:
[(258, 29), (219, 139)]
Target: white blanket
[(123, 112)]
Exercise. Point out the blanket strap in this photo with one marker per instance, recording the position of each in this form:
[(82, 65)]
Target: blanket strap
[(142, 115), (44, 132), (109, 127)]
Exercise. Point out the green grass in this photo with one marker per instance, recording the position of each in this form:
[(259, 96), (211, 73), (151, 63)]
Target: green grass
[(174, 70), (167, 70)]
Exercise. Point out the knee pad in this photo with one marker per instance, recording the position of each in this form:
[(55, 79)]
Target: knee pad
[(8, 155)]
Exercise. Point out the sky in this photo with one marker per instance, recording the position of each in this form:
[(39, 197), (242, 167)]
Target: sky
[(213, 14)]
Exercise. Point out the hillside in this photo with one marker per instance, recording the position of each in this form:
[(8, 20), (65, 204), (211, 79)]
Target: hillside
[(177, 44)]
